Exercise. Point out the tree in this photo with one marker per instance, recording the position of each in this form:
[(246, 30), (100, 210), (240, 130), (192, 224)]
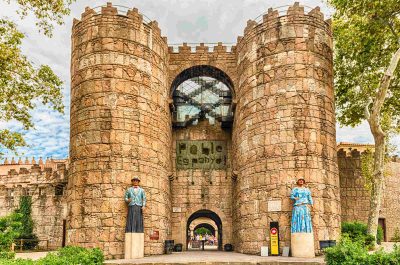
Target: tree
[(202, 231), (10, 227), (366, 55), (23, 85)]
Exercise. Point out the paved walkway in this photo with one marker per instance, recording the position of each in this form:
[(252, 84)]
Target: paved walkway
[(217, 258), (31, 255)]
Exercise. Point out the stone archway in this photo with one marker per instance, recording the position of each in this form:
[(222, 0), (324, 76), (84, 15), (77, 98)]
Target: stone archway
[(202, 70), (207, 226), (206, 222), (203, 213)]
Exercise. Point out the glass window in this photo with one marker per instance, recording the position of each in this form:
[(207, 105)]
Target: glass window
[(199, 98)]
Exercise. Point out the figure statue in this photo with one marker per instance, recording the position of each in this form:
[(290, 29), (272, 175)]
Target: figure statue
[(136, 197), (301, 216), (302, 236)]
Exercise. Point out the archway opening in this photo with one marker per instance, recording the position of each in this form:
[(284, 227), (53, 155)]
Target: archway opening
[(204, 229), (208, 220), (202, 92)]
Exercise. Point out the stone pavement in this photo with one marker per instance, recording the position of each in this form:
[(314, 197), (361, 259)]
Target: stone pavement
[(31, 255), (216, 258)]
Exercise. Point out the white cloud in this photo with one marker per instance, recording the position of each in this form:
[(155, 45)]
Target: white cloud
[(179, 20)]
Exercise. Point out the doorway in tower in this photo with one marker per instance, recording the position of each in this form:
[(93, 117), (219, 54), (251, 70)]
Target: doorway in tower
[(204, 231)]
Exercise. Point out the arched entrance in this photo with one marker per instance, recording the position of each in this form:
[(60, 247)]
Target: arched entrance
[(202, 92), (209, 215), (206, 226)]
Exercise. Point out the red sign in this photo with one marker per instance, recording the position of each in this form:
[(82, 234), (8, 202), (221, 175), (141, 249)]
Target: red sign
[(155, 235), (274, 231)]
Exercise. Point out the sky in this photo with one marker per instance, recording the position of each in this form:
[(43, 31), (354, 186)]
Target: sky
[(191, 21)]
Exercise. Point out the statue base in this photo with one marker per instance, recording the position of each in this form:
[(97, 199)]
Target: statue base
[(134, 245), (302, 245)]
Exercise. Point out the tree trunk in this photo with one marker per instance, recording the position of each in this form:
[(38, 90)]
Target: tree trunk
[(377, 184), (373, 119)]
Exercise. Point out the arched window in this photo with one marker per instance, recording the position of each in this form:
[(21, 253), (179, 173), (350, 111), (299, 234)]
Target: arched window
[(202, 92)]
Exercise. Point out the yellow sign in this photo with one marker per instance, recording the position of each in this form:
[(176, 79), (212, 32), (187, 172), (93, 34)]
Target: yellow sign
[(274, 239)]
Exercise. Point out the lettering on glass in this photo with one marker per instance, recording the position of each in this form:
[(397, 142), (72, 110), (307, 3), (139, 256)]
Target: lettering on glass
[(201, 155)]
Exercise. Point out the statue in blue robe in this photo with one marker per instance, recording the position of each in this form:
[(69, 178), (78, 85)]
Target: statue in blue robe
[(301, 216)]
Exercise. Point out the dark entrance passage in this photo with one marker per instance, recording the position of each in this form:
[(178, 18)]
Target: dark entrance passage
[(209, 215)]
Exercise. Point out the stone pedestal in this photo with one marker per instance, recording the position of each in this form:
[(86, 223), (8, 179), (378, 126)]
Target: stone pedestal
[(134, 245), (302, 245)]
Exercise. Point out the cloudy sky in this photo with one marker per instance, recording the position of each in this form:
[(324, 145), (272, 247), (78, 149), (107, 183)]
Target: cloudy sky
[(190, 21)]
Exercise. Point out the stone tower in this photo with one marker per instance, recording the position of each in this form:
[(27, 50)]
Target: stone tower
[(120, 128), (284, 126)]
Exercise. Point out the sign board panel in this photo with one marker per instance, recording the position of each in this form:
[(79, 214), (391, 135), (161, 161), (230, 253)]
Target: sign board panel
[(176, 209), (274, 238), (274, 206), (201, 154), (155, 235), (264, 251)]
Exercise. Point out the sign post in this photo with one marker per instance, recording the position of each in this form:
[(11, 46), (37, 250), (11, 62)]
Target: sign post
[(274, 238)]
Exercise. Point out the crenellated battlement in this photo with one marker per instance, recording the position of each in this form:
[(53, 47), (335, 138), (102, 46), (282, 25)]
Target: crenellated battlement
[(354, 150), (283, 16), (132, 16), (201, 48), (113, 10), (345, 149), (27, 166)]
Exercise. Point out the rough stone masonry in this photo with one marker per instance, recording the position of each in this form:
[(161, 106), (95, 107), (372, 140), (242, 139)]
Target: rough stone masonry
[(122, 77)]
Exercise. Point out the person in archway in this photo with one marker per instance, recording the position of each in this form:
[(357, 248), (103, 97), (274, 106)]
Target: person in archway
[(136, 197), (301, 216)]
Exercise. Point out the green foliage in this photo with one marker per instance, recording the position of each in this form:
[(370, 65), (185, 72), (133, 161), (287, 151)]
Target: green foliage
[(358, 232), (7, 255), (202, 231), (23, 85), (346, 252), (10, 227), (396, 236), (366, 35), (353, 253), (68, 255), (18, 225), (24, 210), (45, 11), (379, 235)]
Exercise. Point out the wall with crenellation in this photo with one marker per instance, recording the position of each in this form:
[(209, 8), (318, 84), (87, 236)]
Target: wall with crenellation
[(45, 182), (355, 196)]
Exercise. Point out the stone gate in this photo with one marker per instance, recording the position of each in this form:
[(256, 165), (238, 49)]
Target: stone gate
[(234, 160)]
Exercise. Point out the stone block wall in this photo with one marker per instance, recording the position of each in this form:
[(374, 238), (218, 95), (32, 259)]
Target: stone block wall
[(120, 128), (46, 184), (284, 126), (355, 203)]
